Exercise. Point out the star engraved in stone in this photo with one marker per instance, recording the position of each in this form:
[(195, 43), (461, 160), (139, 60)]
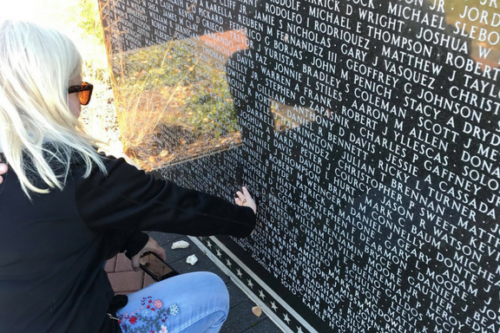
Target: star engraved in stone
[(285, 318), (218, 253), (273, 306), (209, 244), (239, 272), (228, 263), (261, 294), (250, 284)]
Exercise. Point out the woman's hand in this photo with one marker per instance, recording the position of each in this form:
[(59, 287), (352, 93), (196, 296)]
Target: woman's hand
[(245, 199), (3, 169), (151, 246)]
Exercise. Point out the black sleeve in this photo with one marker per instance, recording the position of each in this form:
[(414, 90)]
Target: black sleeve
[(120, 240), (131, 200)]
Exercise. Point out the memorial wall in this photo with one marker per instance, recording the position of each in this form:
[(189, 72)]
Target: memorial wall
[(367, 130)]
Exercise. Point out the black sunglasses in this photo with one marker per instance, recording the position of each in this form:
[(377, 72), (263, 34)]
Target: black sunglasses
[(84, 92)]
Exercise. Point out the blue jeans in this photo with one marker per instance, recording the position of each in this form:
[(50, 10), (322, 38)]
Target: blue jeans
[(188, 303)]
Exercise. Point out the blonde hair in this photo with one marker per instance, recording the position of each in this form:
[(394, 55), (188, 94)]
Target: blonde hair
[(36, 65)]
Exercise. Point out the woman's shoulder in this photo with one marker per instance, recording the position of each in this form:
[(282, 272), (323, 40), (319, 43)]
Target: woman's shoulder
[(117, 169), (76, 167)]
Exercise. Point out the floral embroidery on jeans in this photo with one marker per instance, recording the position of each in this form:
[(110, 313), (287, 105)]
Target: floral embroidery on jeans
[(174, 310), (150, 318)]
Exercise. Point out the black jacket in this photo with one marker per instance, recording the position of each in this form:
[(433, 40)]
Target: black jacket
[(52, 248)]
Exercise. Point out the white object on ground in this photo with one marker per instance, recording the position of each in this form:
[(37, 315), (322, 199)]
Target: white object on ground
[(180, 245), (192, 259), (257, 311)]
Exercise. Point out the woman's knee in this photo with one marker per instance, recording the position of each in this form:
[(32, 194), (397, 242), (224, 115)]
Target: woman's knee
[(202, 286), (212, 284)]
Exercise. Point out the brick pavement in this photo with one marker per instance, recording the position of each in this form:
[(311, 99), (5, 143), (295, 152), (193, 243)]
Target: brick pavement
[(123, 278)]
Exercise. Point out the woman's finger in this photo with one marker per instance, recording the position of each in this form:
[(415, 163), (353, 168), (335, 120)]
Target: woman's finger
[(161, 253), (249, 200), (156, 248), (245, 192), (135, 263), (241, 196)]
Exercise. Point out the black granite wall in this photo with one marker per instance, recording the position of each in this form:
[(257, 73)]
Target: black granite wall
[(368, 130)]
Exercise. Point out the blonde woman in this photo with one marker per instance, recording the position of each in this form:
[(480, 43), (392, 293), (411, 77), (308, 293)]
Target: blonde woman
[(65, 209)]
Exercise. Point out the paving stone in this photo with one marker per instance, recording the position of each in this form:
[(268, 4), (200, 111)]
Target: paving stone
[(164, 239), (148, 280), (236, 296), (241, 318), (174, 255), (126, 281), (216, 270), (125, 292), (181, 266), (264, 326), (177, 259), (110, 265), (123, 264)]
